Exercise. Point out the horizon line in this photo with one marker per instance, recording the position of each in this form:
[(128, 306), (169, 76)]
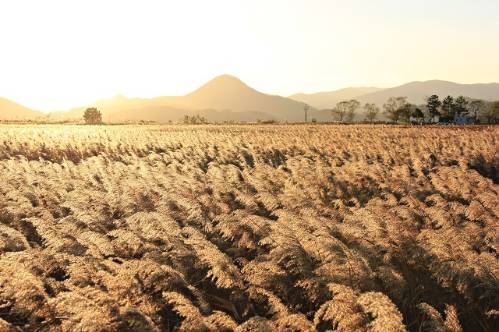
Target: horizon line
[(149, 97)]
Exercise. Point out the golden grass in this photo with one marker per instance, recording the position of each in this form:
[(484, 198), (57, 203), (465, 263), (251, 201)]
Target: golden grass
[(248, 228)]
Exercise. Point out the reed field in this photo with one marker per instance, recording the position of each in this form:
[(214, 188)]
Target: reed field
[(249, 228)]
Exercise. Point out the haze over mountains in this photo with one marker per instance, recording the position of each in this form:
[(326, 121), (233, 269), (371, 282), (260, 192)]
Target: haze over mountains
[(12, 110), (416, 93), (328, 99), (226, 98)]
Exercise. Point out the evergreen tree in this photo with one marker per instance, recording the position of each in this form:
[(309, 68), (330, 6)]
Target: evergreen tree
[(433, 104), (460, 106), (448, 108)]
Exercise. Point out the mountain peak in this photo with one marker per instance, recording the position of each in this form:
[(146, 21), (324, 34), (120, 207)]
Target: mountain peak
[(223, 84), (226, 77), (225, 81)]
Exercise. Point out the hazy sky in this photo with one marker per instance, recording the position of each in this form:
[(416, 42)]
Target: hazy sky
[(57, 54)]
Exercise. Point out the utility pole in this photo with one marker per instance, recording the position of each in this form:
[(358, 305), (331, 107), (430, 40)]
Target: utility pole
[(306, 108)]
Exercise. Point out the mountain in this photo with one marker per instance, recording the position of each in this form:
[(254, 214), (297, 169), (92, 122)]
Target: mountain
[(10, 110), (224, 98), (416, 92), (329, 99), (227, 93)]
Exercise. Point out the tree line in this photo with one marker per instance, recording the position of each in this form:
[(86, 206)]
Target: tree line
[(93, 116), (398, 109)]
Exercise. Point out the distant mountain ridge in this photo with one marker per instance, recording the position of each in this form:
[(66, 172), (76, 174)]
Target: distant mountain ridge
[(226, 98), (416, 93), (328, 99)]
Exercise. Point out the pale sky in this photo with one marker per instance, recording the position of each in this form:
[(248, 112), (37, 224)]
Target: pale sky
[(59, 54)]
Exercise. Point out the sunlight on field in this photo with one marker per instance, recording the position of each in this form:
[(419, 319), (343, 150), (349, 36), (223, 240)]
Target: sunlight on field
[(248, 228)]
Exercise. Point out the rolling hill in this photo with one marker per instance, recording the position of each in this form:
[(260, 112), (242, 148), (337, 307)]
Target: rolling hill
[(10, 110)]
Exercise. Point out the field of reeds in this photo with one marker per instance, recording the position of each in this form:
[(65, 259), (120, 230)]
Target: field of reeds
[(249, 228)]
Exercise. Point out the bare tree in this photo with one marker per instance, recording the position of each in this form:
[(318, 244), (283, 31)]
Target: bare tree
[(353, 105), (395, 107), (340, 110), (492, 113), (475, 107), (345, 110), (372, 111)]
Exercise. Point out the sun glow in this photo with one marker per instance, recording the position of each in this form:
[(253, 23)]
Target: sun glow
[(60, 54)]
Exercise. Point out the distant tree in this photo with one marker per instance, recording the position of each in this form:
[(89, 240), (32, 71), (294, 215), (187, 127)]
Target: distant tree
[(340, 110), (448, 108), (195, 119), (406, 112), (433, 104), (353, 105), (202, 120), (395, 107), (92, 116), (418, 114), (492, 113), (345, 110), (476, 107), (460, 106), (371, 111)]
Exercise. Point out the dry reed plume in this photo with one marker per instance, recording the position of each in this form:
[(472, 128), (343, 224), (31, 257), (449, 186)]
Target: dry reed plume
[(248, 228)]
